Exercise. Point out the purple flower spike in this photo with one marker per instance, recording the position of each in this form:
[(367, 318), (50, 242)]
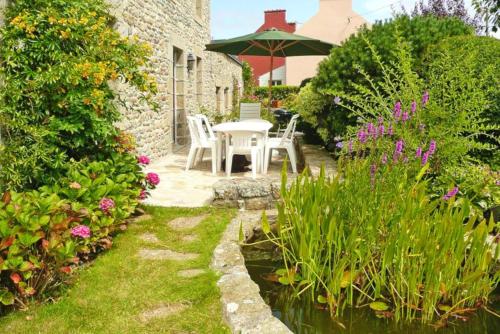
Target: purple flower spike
[(397, 110), (452, 193), (381, 130), (390, 132), (425, 98), (432, 147), (413, 107), (362, 136), (400, 146), (384, 159), (425, 158), (419, 153), (380, 120), (370, 128), (350, 146), (405, 116)]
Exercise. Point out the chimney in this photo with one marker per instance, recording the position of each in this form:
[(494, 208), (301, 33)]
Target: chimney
[(277, 15)]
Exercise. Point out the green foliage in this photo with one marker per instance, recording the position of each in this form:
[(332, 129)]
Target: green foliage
[(341, 69), (453, 117), (58, 58), (306, 103), (477, 57), (38, 248), (363, 237), (248, 81), (278, 93)]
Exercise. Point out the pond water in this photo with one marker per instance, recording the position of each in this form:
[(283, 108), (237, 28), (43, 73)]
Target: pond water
[(303, 317)]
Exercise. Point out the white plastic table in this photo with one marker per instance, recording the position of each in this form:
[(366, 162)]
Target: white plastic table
[(257, 126)]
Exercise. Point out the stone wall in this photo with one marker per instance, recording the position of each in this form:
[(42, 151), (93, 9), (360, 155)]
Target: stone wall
[(165, 25), (169, 25)]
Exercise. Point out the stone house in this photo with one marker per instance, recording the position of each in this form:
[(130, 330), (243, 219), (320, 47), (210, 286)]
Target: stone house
[(189, 78)]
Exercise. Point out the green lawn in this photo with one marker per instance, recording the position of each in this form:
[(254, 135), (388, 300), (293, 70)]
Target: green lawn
[(109, 295)]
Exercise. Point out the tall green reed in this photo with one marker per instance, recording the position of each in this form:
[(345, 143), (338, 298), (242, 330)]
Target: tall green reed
[(376, 237)]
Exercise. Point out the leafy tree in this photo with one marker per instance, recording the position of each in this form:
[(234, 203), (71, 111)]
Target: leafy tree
[(56, 102), (489, 12), (341, 70)]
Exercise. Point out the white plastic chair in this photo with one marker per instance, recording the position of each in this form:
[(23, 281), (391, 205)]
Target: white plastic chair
[(243, 142), (249, 111), (200, 140), (285, 142)]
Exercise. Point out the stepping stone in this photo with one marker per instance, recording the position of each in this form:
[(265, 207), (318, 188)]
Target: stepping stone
[(166, 254), (186, 223), (149, 237), (162, 311), (190, 273), (190, 238)]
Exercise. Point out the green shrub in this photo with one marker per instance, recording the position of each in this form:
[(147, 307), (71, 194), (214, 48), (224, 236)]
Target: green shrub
[(56, 102), (40, 230), (278, 93), (341, 69)]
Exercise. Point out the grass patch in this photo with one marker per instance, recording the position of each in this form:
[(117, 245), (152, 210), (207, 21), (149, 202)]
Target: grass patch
[(112, 292)]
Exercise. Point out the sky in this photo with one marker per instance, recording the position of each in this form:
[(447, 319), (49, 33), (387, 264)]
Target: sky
[(231, 18)]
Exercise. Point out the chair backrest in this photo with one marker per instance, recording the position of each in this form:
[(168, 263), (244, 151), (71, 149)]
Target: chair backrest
[(244, 140), (290, 129), (204, 121), (193, 130), (249, 111)]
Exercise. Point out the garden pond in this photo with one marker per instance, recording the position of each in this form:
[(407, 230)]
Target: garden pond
[(302, 316)]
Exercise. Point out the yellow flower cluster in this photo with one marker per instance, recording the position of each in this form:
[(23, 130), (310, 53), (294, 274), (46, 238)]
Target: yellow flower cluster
[(98, 72), (21, 22)]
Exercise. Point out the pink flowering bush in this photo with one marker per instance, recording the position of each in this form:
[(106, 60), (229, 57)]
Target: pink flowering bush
[(152, 179), (81, 231), (143, 160)]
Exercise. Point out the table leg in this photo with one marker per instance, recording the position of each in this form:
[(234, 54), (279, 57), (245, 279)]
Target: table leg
[(219, 151)]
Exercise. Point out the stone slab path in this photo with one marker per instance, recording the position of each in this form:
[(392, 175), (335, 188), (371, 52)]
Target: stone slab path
[(166, 254), (186, 223), (162, 311), (194, 188)]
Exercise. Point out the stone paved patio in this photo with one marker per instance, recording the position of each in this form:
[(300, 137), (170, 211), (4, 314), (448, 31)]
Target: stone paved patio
[(194, 188)]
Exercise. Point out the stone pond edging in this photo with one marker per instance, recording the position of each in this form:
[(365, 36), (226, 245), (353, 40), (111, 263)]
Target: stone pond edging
[(244, 310)]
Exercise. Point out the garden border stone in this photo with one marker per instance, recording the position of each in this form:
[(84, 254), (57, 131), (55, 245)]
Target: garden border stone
[(243, 308)]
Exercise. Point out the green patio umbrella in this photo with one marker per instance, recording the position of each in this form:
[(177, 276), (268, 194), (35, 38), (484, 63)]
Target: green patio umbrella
[(273, 43)]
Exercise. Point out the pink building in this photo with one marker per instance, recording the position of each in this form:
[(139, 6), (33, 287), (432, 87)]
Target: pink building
[(334, 22)]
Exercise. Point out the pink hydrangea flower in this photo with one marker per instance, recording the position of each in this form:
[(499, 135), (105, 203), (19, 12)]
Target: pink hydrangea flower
[(143, 195), (143, 160), (81, 231), (153, 179), (106, 204)]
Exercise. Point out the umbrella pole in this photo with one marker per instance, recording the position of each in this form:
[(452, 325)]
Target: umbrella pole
[(271, 82)]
